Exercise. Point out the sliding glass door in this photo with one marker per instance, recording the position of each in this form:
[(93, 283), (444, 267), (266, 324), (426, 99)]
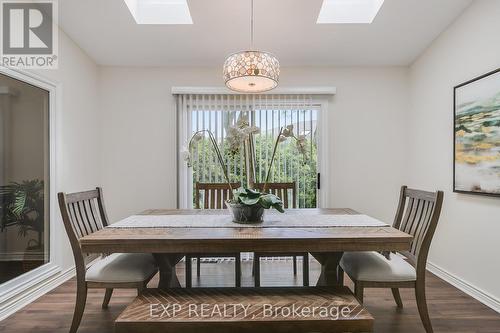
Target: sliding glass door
[(218, 113), (24, 177)]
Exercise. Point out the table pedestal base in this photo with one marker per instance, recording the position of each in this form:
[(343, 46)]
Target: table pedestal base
[(166, 264), (329, 268)]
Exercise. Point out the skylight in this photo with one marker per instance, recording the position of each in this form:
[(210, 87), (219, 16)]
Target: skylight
[(160, 11), (349, 11)]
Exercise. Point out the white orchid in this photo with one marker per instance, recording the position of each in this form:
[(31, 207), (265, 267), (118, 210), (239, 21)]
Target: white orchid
[(300, 140), (237, 135), (242, 121), (197, 137), (235, 138), (186, 155), (288, 131), (251, 130), (301, 145)]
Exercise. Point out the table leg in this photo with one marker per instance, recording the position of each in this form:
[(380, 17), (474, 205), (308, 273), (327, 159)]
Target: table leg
[(329, 268), (166, 264)]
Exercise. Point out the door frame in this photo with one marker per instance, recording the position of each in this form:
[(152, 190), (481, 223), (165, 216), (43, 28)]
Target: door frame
[(324, 158), (184, 174)]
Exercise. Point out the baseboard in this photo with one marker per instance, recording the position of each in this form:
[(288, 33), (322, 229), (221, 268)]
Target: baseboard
[(464, 286), (15, 303)]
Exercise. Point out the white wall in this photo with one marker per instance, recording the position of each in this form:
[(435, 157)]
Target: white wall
[(78, 164), (466, 241), (366, 138)]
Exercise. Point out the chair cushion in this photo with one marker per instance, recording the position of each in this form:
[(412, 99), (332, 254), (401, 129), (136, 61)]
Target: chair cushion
[(122, 267), (372, 266)]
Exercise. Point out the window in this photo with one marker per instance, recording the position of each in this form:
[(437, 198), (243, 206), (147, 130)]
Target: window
[(268, 112), (24, 177)]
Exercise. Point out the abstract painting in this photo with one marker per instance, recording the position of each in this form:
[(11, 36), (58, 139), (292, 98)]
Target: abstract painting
[(477, 135)]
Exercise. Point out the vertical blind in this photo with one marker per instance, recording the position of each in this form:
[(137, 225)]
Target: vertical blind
[(217, 112)]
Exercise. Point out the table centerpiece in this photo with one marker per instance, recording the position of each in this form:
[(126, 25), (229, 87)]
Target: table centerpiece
[(248, 203)]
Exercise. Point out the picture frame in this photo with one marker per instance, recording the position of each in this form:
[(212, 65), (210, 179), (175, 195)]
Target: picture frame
[(476, 135)]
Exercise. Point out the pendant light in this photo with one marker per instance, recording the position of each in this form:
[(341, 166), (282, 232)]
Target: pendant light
[(251, 71)]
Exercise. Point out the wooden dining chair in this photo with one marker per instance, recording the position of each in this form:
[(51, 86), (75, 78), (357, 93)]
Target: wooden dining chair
[(417, 214), (214, 195), (83, 213), (282, 191)]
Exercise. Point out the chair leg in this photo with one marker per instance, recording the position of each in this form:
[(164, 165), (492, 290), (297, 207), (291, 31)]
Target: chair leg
[(198, 266), (256, 265), (305, 270), (107, 297), (237, 270), (81, 299), (188, 268), (397, 297), (340, 275), (422, 306), (141, 289), (358, 291), (294, 265)]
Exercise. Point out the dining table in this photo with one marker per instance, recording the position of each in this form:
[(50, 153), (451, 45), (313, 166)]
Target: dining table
[(170, 234)]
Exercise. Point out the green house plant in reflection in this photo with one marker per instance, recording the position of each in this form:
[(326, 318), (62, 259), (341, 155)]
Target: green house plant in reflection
[(248, 204), (22, 205)]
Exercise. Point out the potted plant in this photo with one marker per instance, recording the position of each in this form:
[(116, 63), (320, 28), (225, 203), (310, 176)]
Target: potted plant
[(22, 204), (248, 204)]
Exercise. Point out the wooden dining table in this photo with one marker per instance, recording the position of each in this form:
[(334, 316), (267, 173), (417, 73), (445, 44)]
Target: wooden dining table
[(298, 231)]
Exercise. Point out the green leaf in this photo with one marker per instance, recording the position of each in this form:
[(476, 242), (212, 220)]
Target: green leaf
[(270, 200), (19, 202), (249, 201), (279, 207), (251, 193), (22, 204), (238, 194)]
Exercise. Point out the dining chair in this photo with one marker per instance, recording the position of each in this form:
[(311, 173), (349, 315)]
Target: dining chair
[(282, 191), (417, 214), (83, 213), (214, 195)]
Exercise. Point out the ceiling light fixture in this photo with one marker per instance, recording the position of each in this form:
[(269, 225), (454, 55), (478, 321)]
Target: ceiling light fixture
[(349, 11), (251, 71)]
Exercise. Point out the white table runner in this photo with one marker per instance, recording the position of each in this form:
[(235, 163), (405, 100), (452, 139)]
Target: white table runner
[(270, 221)]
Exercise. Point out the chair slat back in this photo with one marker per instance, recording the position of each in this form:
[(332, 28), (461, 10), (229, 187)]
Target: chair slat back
[(283, 190), (213, 194), (418, 214), (82, 213)]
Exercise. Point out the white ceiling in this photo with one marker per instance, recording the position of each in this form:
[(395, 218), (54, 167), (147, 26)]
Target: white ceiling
[(106, 30)]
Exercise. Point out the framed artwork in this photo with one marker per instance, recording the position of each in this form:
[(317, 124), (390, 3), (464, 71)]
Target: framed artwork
[(476, 168)]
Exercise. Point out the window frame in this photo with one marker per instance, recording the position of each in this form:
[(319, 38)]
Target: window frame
[(19, 291)]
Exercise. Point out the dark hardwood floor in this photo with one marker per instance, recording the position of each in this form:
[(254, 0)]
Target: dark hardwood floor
[(450, 309)]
